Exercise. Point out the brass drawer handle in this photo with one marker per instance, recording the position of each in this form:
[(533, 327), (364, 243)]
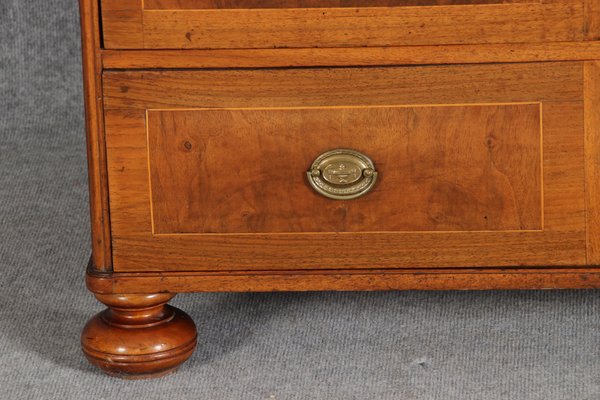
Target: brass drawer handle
[(342, 174)]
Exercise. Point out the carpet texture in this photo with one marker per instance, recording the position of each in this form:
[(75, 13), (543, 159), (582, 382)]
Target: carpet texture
[(385, 345)]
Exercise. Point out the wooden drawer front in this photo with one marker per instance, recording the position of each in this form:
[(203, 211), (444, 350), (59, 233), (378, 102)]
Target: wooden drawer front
[(478, 166), (199, 24)]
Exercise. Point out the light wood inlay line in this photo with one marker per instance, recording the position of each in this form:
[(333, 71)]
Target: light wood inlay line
[(192, 210), (149, 176)]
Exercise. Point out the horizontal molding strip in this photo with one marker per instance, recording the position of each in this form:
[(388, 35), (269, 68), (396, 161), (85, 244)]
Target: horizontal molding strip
[(340, 57), (363, 279)]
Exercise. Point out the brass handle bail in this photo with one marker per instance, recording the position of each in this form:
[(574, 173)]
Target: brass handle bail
[(342, 174)]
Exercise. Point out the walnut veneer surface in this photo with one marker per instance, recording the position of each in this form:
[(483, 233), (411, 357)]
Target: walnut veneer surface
[(203, 118)]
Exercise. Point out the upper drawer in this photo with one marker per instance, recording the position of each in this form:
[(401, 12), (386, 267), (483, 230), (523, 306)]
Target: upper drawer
[(211, 24)]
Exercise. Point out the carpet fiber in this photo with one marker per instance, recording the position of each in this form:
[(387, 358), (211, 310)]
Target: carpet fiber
[(385, 345)]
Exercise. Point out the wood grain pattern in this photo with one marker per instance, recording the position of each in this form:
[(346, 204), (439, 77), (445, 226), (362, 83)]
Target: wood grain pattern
[(129, 94), (592, 159), (225, 4), (345, 86), (96, 148), (440, 169), (592, 19), (143, 252), (331, 57), (127, 26), (411, 279), (122, 23)]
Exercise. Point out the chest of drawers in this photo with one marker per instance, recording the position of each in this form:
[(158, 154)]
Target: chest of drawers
[(290, 145)]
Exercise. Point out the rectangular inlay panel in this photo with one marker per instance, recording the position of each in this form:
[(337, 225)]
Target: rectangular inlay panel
[(240, 4), (441, 168)]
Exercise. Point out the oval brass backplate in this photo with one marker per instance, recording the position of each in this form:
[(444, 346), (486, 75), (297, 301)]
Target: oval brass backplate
[(342, 174)]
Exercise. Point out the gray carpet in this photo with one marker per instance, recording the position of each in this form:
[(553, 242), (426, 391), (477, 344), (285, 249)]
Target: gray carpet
[(386, 345)]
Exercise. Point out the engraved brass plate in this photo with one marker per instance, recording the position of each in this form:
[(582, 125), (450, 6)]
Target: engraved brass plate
[(342, 174)]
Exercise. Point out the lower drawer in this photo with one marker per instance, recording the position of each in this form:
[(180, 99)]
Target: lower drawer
[(442, 166)]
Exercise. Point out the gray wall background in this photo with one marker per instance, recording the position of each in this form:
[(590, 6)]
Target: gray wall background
[(386, 345)]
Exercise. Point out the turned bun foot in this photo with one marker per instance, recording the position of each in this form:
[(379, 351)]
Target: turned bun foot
[(138, 336)]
